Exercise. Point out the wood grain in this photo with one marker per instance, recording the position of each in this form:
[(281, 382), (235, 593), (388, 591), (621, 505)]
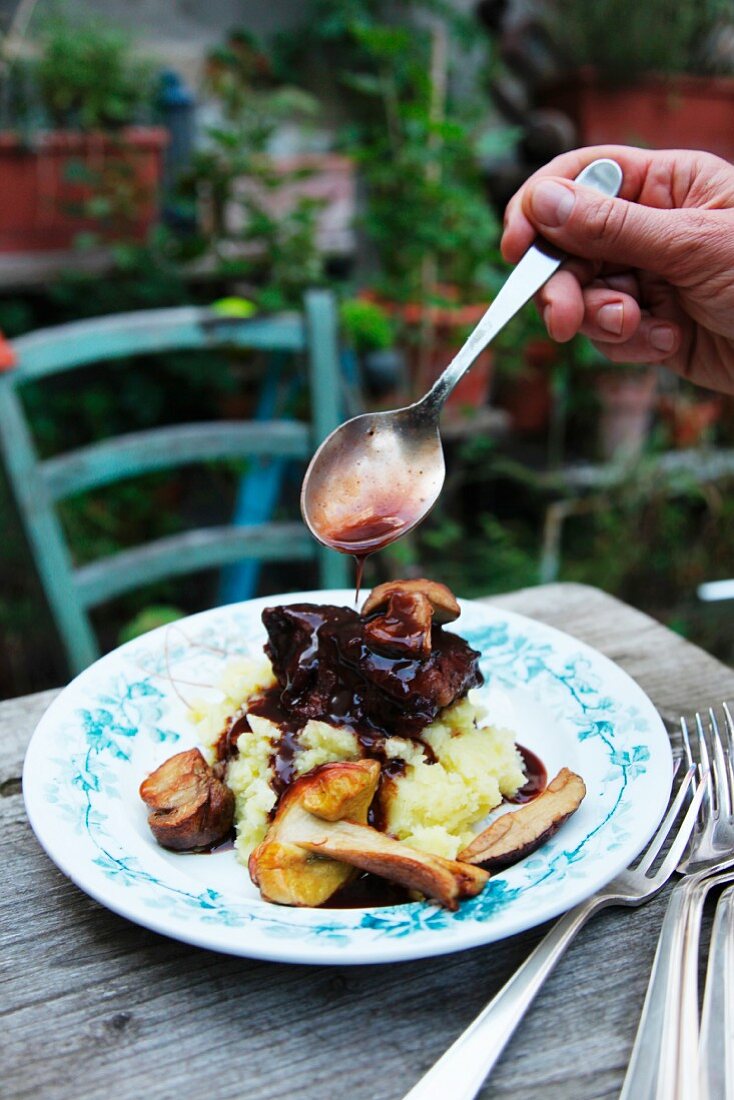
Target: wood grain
[(93, 1006)]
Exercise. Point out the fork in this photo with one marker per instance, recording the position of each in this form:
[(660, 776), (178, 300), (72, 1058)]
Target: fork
[(664, 1060), (716, 1047), (460, 1072)]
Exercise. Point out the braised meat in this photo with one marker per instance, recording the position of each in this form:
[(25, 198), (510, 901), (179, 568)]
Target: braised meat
[(333, 664)]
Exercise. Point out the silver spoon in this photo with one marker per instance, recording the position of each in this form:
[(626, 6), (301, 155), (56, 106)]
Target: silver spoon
[(378, 475)]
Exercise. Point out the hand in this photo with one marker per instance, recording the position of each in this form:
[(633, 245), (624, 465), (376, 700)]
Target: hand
[(654, 278)]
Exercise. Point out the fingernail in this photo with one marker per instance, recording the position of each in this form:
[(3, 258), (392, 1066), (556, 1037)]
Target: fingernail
[(547, 318), (552, 203), (662, 337), (611, 318)]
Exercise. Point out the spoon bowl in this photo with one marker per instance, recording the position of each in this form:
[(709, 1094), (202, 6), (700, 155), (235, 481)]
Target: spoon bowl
[(373, 480)]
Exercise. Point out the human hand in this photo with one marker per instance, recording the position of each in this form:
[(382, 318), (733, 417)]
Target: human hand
[(651, 278)]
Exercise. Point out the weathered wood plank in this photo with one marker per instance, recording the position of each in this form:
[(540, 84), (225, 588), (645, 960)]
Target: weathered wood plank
[(93, 1005), (66, 347), (163, 448), (205, 548)]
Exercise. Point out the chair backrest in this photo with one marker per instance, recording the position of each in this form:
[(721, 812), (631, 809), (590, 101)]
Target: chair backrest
[(39, 485)]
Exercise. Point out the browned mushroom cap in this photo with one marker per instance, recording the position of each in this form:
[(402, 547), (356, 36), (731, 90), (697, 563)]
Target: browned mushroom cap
[(441, 598), (515, 835), (404, 628), (319, 836), (191, 807)]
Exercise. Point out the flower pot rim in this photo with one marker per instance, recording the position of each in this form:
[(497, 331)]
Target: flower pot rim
[(440, 315), (151, 137), (589, 77)]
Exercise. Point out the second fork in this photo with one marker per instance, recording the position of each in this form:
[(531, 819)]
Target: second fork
[(664, 1061)]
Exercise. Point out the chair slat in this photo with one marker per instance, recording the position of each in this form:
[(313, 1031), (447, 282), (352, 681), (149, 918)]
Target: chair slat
[(186, 553), (66, 347), (164, 448)]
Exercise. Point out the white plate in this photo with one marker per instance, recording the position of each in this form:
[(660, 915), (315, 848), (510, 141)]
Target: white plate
[(127, 713)]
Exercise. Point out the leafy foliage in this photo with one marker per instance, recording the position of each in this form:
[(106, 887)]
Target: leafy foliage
[(415, 142), (256, 223), (88, 76), (624, 39)]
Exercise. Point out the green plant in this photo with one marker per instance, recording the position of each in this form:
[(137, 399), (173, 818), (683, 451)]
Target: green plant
[(256, 224), (365, 325), (87, 74), (415, 142), (624, 39)]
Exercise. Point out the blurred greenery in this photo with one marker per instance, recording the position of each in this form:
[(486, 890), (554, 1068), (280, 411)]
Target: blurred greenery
[(625, 39), (84, 75)]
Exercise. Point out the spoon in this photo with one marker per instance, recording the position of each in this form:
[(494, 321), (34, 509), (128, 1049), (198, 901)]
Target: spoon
[(378, 475)]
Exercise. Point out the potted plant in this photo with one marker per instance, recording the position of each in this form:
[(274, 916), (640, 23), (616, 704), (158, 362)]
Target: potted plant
[(259, 216), (652, 74), (620, 399), (689, 418), (430, 237), (76, 159), (526, 360)]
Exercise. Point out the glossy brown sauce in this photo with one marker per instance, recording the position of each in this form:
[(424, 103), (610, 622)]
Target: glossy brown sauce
[(366, 536), (320, 677), (537, 777), (368, 892), (363, 537)]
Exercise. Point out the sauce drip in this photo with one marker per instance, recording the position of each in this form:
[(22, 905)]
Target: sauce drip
[(364, 536), (537, 777)]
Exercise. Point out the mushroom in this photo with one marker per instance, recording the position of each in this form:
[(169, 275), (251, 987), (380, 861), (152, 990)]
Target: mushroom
[(319, 836), (408, 610), (191, 807), (515, 835), (441, 598)]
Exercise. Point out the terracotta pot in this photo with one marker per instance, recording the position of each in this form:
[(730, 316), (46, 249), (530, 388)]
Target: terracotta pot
[(626, 401), (528, 395), (660, 112), (689, 421), (447, 326), (41, 199)]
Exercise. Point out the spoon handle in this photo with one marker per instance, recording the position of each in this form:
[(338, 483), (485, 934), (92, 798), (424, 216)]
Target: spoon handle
[(534, 269)]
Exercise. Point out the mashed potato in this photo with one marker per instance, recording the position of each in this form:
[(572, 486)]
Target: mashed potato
[(432, 806)]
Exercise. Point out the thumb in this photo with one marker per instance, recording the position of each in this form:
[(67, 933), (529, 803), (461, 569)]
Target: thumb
[(584, 223)]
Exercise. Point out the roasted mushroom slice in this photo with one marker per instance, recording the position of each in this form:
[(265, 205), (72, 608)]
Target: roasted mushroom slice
[(191, 807), (285, 871), (515, 835), (442, 599), (319, 837), (404, 628)]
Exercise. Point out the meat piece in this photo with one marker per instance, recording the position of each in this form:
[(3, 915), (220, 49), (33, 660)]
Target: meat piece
[(515, 835), (319, 836), (328, 667), (191, 807)]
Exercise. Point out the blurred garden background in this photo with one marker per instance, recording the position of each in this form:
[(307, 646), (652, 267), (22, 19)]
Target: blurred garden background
[(161, 153)]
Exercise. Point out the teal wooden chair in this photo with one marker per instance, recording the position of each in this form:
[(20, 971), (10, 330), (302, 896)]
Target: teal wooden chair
[(39, 485)]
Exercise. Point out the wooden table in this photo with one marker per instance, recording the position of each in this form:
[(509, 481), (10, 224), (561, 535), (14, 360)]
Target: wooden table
[(94, 1006)]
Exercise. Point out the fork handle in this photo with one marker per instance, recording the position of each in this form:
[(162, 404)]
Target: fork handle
[(716, 1051), (644, 1070), (460, 1072)]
